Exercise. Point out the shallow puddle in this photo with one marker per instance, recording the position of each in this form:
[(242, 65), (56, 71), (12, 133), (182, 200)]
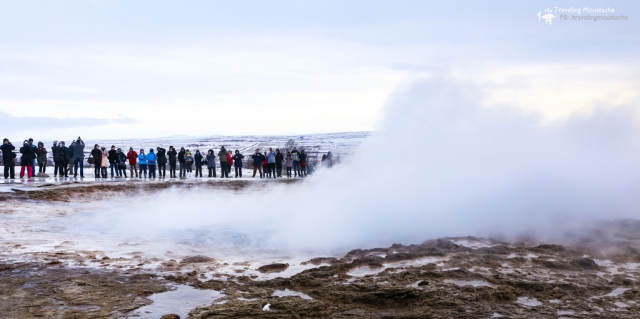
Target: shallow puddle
[(179, 301)]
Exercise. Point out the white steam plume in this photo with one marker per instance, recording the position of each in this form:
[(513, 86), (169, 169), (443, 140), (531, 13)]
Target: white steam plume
[(439, 165)]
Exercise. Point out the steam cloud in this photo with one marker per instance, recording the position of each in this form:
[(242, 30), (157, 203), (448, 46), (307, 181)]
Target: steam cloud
[(439, 165)]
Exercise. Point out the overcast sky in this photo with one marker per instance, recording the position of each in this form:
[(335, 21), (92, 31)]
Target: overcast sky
[(111, 69)]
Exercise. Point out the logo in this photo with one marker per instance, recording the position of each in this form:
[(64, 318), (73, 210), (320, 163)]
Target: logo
[(548, 16)]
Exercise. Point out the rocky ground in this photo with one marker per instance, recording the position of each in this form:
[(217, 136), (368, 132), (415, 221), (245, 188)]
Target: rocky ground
[(593, 276)]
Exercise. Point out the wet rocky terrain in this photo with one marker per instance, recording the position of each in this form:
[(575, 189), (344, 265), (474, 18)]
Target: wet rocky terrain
[(594, 275)]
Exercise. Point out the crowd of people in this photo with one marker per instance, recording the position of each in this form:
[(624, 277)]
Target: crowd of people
[(69, 160)]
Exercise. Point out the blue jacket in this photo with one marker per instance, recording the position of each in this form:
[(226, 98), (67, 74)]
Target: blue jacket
[(257, 159), (198, 158), (271, 157), (151, 158), (142, 159)]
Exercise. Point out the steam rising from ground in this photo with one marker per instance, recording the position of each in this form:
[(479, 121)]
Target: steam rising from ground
[(439, 165)]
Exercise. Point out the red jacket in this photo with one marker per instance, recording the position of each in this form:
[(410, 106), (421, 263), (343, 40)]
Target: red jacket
[(132, 156), (229, 159)]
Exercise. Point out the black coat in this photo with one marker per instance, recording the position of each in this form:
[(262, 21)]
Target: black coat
[(198, 158), (97, 157), (172, 156), (237, 160), (279, 158), (113, 156), (303, 157), (181, 156), (162, 156), (7, 152), (28, 155)]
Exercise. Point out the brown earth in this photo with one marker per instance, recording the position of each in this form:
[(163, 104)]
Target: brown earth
[(445, 278)]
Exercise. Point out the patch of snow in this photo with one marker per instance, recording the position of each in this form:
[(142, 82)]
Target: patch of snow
[(621, 304), (287, 293), (531, 302), (566, 312), (616, 292), (474, 283)]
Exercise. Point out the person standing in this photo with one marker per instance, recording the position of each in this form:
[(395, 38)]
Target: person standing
[(42, 158), (142, 162), (70, 151), (329, 159), (188, 162), (279, 159), (288, 162), (172, 161), (104, 163), (55, 151), (35, 151), (211, 163), (183, 167), (132, 156), (265, 165), (151, 162), (296, 162), (64, 160), (224, 161), (303, 163), (122, 163), (257, 158), (162, 161), (237, 163), (78, 157), (271, 163), (198, 159), (26, 160), (96, 153), (7, 159), (229, 163), (113, 161)]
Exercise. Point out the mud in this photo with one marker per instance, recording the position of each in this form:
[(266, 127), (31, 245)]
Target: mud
[(445, 278)]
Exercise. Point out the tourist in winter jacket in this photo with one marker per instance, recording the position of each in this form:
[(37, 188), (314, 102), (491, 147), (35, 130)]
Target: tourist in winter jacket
[(26, 160), (42, 158), (104, 164), (55, 151), (279, 159), (265, 166), (211, 163), (237, 163), (188, 161), (151, 162), (96, 154), (70, 151), (132, 156), (64, 160), (224, 162), (198, 160), (35, 151), (162, 161), (229, 162), (271, 159), (183, 168), (288, 162), (122, 163), (78, 157), (172, 161), (142, 162), (257, 162), (113, 161), (296, 162), (7, 159), (303, 163)]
